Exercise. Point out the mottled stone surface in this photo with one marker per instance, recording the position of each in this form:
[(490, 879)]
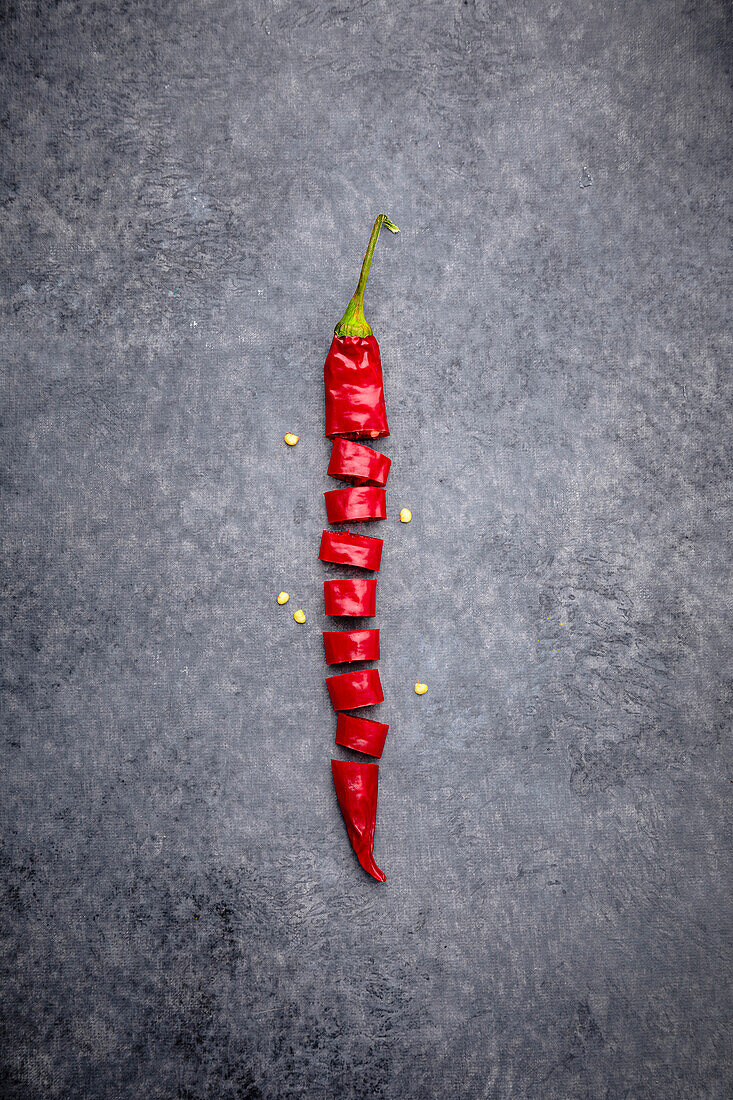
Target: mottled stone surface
[(187, 190)]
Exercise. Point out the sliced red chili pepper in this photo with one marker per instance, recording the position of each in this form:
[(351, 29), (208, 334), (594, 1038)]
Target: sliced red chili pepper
[(351, 597), (360, 503), (353, 369), (361, 734), (358, 464), (350, 645), (356, 784), (350, 690), (343, 548)]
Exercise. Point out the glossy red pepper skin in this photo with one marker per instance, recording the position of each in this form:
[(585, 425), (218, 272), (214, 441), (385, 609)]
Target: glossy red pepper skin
[(361, 734), (351, 597), (342, 646), (358, 464), (363, 502), (356, 784), (343, 548), (350, 690), (354, 389)]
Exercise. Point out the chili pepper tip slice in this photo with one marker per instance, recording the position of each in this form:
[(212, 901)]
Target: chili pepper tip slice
[(356, 786)]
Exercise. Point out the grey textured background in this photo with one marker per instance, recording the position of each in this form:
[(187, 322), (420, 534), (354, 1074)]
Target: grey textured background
[(187, 191)]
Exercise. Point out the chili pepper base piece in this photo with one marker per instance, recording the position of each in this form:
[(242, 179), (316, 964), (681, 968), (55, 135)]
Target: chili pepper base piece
[(420, 689), (354, 385), (282, 598), (291, 439), (353, 370), (356, 786), (299, 615)]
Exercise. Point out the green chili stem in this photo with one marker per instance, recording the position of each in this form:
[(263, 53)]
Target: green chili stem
[(353, 322)]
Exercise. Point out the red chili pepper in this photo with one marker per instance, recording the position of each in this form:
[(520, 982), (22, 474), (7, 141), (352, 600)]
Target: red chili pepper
[(360, 503), (356, 785), (344, 548), (355, 689), (361, 734), (353, 370), (350, 645), (351, 597), (358, 464)]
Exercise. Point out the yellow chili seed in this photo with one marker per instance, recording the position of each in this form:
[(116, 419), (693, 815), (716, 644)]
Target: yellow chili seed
[(420, 689), (291, 439), (405, 515), (299, 616), (283, 597)]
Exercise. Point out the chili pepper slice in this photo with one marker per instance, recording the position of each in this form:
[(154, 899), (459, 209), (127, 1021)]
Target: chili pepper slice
[(350, 690), (353, 370), (361, 734), (360, 503), (356, 784), (343, 548), (350, 645), (358, 464), (351, 597)]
